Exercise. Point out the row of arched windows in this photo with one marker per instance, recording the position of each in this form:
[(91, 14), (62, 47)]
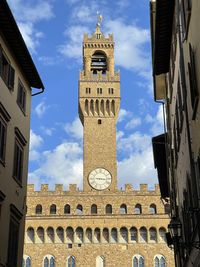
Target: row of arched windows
[(137, 261), (94, 209), (97, 235)]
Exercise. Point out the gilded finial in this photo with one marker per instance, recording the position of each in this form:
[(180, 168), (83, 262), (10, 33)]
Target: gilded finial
[(99, 19)]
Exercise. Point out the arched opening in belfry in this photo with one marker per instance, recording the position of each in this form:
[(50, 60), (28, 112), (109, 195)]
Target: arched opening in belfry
[(99, 62)]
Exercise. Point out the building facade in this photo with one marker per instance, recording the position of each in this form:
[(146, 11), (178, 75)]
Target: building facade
[(101, 225), (17, 75), (176, 68)]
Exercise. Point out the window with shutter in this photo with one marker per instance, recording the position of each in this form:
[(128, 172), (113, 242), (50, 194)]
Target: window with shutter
[(2, 140), (4, 119), (20, 142), (194, 94), (12, 256), (21, 97), (11, 77), (7, 72)]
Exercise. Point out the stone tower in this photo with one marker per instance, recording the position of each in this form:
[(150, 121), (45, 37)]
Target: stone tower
[(99, 102), (99, 226)]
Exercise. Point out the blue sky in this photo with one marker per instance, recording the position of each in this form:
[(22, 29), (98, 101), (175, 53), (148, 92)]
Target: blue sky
[(53, 31)]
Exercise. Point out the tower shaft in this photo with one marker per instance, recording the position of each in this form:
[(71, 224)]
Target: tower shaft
[(99, 102)]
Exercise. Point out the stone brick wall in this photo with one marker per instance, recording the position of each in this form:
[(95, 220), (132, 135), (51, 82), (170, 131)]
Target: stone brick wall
[(56, 239)]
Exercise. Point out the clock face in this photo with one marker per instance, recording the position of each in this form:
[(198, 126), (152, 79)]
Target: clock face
[(100, 179)]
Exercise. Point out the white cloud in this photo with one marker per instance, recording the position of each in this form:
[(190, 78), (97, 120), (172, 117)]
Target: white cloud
[(123, 114), (120, 134), (63, 165), (83, 13), (73, 46), (48, 131), (41, 108), (156, 122), (137, 168), (135, 142), (35, 143), (28, 31), (133, 123), (27, 15), (129, 50), (32, 12), (75, 128), (49, 61)]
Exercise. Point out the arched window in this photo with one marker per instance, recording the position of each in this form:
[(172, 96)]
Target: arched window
[(79, 209), (138, 209), (123, 235), (97, 235), (105, 235), (69, 235), (138, 261), (38, 209), (94, 209), (49, 261), (60, 234), (71, 262), (152, 209), (53, 209), (67, 209), (162, 233), (152, 234), (26, 261), (134, 234), (88, 235), (108, 209), (30, 235), (159, 261), (143, 234), (50, 235), (113, 235), (99, 62), (123, 209), (40, 235), (100, 261), (79, 235)]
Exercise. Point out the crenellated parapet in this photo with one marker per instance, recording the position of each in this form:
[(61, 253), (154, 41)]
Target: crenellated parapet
[(59, 189)]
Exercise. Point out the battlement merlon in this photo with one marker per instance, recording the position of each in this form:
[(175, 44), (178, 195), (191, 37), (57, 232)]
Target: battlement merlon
[(74, 189)]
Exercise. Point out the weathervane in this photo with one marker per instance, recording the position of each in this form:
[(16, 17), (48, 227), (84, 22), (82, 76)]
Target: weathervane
[(99, 19)]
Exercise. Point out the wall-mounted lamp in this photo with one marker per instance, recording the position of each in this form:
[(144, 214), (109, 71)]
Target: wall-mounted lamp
[(175, 231)]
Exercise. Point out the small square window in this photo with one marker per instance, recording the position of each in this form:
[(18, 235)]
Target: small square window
[(69, 245), (99, 121), (99, 90), (79, 245)]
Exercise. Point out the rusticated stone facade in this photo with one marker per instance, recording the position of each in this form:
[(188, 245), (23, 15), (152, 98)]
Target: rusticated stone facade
[(99, 226), (133, 224)]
